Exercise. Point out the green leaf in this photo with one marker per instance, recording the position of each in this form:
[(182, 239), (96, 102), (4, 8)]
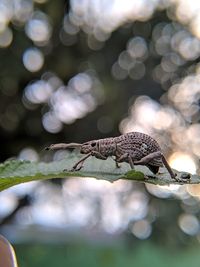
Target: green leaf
[(14, 172)]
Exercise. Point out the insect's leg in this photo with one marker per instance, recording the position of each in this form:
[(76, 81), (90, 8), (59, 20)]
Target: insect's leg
[(80, 162), (172, 174), (131, 162), (124, 157), (116, 163), (145, 160), (98, 155)]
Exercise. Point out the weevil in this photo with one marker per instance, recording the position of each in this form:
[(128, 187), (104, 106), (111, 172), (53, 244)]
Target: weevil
[(134, 148)]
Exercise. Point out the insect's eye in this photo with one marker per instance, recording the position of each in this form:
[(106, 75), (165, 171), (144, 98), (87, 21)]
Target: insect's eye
[(93, 144)]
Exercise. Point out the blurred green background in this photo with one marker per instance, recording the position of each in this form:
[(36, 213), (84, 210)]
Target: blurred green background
[(144, 254), (72, 71)]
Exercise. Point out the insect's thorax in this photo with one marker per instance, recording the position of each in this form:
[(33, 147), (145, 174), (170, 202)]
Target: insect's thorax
[(107, 146)]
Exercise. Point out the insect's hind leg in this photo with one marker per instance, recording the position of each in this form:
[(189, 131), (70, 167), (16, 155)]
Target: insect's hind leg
[(172, 174), (145, 160)]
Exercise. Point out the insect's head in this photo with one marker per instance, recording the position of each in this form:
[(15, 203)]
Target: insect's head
[(89, 147)]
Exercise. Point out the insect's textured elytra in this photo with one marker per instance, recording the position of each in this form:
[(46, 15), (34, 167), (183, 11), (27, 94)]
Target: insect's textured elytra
[(138, 145), (134, 148)]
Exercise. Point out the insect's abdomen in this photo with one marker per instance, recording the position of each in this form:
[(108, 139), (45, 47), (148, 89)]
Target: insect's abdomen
[(138, 145)]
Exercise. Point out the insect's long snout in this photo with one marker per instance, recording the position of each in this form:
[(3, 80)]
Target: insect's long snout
[(63, 146)]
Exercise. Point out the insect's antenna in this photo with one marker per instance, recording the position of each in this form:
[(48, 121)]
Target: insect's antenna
[(63, 146)]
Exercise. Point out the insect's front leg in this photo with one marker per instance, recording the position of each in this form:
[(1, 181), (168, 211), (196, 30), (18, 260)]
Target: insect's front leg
[(76, 167), (79, 164)]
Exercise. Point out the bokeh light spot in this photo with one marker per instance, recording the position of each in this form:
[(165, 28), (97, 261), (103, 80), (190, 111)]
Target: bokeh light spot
[(182, 162), (137, 47), (51, 123), (33, 59), (137, 70), (38, 91), (23, 10), (6, 37), (28, 153), (6, 12), (38, 28), (189, 224), (142, 229), (118, 73), (194, 190)]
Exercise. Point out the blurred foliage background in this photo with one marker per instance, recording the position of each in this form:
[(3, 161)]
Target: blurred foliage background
[(86, 69)]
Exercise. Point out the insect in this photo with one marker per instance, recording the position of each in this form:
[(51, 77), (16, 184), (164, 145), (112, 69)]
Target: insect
[(134, 148)]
